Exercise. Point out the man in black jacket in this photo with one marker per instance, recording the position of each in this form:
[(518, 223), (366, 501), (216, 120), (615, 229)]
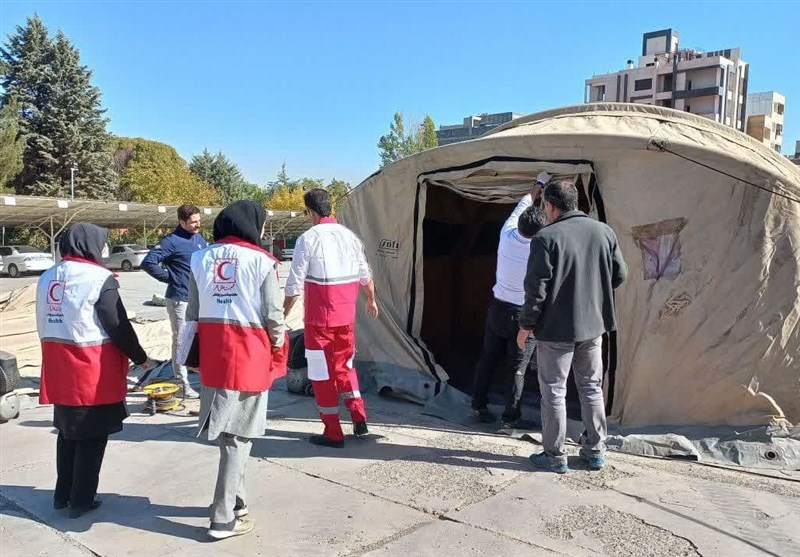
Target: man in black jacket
[(574, 266)]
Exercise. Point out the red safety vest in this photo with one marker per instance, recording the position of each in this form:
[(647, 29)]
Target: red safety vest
[(235, 349), (81, 366)]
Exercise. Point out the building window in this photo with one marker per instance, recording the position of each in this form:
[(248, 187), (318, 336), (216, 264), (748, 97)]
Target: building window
[(661, 248), (668, 82), (779, 108), (643, 84), (599, 93)]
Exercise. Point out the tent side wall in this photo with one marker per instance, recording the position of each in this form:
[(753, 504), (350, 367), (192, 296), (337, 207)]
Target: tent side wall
[(381, 212), (710, 335)]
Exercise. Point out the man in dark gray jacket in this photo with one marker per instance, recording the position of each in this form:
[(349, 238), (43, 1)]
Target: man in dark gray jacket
[(574, 266)]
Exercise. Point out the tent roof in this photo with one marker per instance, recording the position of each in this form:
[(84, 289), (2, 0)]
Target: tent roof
[(21, 211)]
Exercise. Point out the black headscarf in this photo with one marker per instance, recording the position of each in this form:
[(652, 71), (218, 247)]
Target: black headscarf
[(242, 219), (84, 240)]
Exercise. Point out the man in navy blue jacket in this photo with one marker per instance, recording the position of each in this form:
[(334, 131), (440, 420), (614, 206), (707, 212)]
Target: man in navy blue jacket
[(169, 262)]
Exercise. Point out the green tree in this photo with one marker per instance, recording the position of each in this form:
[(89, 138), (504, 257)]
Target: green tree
[(26, 75), (255, 193), (12, 145), (426, 134), (307, 184), (338, 190), (282, 180), (392, 145), (61, 116), (153, 172), (398, 144), (221, 173)]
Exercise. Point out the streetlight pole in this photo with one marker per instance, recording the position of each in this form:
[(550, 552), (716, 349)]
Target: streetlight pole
[(72, 179)]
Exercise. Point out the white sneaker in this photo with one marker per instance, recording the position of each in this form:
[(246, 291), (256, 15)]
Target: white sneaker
[(189, 392), (240, 528), (241, 512)]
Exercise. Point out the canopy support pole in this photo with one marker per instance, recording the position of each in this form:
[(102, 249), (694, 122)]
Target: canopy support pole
[(52, 240)]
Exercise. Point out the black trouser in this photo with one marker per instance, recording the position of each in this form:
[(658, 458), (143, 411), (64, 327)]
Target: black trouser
[(500, 341), (78, 465)]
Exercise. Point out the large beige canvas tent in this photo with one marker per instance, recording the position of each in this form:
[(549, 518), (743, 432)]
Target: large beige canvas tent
[(709, 223)]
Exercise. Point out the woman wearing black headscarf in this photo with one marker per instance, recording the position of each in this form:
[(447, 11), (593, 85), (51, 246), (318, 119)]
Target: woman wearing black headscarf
[(86, 343), (235, 299)]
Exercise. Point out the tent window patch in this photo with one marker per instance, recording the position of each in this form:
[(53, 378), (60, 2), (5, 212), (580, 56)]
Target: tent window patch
[(661, 247)]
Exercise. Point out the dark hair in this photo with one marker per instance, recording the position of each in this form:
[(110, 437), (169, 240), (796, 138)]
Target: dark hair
[(531, 221), (561, 194), (319, 201), (187, 210)]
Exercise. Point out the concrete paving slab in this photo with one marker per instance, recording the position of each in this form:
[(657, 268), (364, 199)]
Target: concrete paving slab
[(151, 510), (626, 510), (387, 495), (449, 538), (22, 536), (418, 471)]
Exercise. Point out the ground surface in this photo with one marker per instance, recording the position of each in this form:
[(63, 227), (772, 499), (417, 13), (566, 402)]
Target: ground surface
[(419, 486)]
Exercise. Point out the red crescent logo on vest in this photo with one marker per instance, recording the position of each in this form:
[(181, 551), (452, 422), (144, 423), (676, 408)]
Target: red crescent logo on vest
[(55, 292), (225, 270), (221, 269)]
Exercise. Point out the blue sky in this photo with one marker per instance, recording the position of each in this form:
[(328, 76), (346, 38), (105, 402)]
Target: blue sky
[(315, 84)]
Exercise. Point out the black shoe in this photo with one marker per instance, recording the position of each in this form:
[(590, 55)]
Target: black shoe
[(58, 505), (360, 429), (323, 441), (484, 415), (77, 512), (519, 423)]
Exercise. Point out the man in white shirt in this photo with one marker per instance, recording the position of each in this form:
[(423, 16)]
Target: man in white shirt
[(502, 326)]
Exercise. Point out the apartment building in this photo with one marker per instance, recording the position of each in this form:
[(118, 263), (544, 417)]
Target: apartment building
[(473, 126), (710, 84), (765, 118)]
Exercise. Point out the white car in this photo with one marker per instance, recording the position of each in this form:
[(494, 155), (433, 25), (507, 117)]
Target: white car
[(126, 256), (25, 259)]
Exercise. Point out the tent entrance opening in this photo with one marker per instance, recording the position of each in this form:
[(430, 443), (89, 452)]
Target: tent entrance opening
[(459, 244), (460, 237)]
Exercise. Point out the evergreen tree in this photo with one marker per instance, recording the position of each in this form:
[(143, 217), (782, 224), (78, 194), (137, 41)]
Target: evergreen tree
[(12, 145), (61, 116), (221, 173), (426, 135), (392, 146), (26, 75), (283, 181)]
